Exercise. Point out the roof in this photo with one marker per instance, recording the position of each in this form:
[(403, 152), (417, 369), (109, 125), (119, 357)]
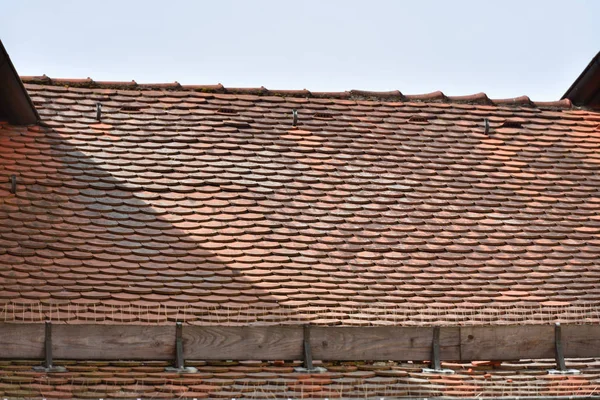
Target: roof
[(206, 205), (261, 380)]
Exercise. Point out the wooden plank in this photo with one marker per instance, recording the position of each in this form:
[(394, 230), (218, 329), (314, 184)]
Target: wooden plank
[(506, 342), (382, 343), (242, 342), (581, 340), (22, 341), (113, 342)]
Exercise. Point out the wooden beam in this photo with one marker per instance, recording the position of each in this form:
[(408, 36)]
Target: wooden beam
[(134, 342), (382, 343), (506, 342), (113, 342), (25, 341), (581, 340), (243, 342)]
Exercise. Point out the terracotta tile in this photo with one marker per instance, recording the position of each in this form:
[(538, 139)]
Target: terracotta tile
[(194, 395), (205, 388), (356, 195)]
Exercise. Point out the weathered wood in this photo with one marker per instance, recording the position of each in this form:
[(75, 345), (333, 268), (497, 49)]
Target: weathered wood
[(24, 341), (581, 340), (382, 343), (243, 342), (113, 342), (507, 342)]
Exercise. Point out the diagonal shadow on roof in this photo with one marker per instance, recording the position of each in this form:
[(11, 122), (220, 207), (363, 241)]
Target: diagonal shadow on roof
[(81, 243)]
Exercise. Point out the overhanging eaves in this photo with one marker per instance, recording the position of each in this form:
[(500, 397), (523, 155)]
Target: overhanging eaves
[(15, 104), (585, 91)]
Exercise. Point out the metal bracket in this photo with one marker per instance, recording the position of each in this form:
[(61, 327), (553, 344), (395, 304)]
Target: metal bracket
[(436, 364), (13, 184), (98, 111), (308, 364), (294, 117), (48, 363), (179, 362), (486, 124), (560, 358), (308, 361)]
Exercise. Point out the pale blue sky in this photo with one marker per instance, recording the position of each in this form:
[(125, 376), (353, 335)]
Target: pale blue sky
[(504, 48)]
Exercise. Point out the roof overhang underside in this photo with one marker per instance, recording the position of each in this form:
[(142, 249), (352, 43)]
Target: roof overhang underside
[(585, 91), (15, 104)]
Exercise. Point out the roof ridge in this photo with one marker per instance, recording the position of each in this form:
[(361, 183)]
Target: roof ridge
[(395, 95)]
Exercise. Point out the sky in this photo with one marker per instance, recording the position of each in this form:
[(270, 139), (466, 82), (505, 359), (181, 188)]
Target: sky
[(503, 48)]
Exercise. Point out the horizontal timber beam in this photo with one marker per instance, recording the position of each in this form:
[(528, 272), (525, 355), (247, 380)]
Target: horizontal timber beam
[(140, 342)]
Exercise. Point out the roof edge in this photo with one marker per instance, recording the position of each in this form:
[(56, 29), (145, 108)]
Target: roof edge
[(585, 91), (15, 103), (389, 96)]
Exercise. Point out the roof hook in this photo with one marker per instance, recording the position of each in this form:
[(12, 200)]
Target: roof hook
[(308, 359), (13, 184), (436, 364), (48, 365), (561, 368), (98, 111), (179, 362), (295, 117), (486, 123)]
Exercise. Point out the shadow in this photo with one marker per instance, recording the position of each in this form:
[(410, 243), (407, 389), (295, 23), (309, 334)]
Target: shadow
[(111, 235)]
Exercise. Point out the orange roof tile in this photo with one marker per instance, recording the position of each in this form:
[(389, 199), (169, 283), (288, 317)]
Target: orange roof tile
[(262, 380), (205, 205)]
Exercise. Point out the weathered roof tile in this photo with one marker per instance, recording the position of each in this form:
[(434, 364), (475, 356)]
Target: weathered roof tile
[(373, 206)]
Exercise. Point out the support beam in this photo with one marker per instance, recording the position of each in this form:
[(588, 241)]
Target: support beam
[(382, 343), (506, 342), (243, 342), (180, 343)]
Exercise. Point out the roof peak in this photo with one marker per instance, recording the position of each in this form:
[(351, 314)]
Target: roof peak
[(390, 96)]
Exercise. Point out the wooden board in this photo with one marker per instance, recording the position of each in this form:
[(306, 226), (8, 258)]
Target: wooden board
[(113, 342), (581, 340), (243, 342), (24, 341), (506, 342), (132, 342), (382, 343)]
